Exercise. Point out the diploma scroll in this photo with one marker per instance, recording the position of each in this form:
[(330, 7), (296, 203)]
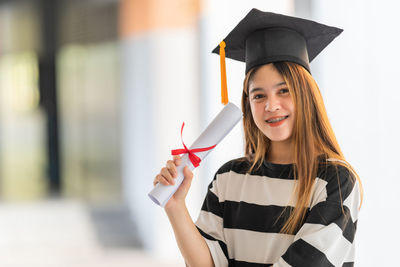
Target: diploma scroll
[(222, 124)]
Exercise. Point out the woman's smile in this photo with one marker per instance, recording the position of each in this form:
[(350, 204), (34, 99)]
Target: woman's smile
[(276, 121)]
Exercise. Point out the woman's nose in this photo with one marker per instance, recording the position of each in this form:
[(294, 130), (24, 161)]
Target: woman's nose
[(272, 105)]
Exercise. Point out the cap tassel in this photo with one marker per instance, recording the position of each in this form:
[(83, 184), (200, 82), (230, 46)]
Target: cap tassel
[(224, 88)]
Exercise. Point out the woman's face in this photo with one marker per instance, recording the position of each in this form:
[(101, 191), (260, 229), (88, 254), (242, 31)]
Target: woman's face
[(271, 104)]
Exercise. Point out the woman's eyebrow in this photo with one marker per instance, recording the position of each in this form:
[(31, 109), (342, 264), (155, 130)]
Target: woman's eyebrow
[(260, 89), (279, 84), (255, 90)]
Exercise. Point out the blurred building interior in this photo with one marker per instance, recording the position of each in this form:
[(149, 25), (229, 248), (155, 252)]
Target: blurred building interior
[(60, 110), (60, 121)]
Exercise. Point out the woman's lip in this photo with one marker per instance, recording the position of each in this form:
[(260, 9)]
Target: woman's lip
[(276, 124), (276, 117)]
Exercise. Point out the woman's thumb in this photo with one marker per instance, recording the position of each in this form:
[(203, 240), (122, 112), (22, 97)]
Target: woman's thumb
[(187, 174)]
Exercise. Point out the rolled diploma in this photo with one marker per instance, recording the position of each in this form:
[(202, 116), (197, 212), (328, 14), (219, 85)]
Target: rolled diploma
[(222, 124)]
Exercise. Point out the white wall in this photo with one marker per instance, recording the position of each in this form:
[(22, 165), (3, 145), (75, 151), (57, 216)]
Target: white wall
[(357, 77)]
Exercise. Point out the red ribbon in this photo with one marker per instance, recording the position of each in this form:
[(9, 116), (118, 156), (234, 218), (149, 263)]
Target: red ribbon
[(193, 158)]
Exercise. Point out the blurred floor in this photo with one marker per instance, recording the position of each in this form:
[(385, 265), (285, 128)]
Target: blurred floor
[(61, 233)]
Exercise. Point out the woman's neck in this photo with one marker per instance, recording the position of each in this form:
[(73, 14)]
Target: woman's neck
[(280, 152)]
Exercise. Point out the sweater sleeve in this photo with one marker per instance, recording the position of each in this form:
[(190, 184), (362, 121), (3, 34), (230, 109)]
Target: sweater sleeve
[(327, 236), (210, 225)]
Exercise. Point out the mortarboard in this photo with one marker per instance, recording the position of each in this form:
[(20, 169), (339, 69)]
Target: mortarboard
[(266, 37)]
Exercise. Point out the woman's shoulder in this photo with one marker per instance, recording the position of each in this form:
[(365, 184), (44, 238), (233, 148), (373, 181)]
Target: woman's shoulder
[(337, 171), (341, 181), (238, 165)]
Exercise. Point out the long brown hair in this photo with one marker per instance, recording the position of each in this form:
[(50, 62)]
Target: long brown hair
[(312, 135)]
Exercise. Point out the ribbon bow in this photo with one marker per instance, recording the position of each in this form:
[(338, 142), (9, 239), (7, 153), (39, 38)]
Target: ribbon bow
[(193, 158)]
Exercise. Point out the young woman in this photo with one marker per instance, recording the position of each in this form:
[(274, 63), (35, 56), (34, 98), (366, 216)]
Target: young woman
[(293, 199)]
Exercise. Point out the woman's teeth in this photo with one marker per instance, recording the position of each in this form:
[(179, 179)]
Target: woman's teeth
[(277, 119)]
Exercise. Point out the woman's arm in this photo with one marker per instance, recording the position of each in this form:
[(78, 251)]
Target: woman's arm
[(192, 245)]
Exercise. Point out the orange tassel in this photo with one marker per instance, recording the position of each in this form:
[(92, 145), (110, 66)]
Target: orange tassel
[(224, 87)]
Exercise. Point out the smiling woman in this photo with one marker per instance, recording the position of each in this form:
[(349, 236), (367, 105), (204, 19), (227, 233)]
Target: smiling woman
[(293, 199), (304, 125)]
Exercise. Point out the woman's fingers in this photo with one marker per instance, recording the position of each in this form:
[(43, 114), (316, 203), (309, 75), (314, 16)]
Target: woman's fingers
[(172, 168), (160, 179), (166, 174), (177, 160)]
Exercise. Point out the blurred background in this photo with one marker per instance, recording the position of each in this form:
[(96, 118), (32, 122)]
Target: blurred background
[(93, 94)]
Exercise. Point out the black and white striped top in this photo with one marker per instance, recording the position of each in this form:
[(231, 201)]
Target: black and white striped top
[(239, 222)]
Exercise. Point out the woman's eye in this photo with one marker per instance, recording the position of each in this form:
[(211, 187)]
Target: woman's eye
[(284, 91), (258, 96)]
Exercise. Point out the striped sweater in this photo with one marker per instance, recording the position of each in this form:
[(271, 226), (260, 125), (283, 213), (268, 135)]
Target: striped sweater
[(240, 220)]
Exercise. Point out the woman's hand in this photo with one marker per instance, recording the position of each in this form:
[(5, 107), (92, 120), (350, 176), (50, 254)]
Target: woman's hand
[(192, 245), (168, 175)]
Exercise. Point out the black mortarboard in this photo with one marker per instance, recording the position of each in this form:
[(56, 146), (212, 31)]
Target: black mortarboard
[(265, 37)]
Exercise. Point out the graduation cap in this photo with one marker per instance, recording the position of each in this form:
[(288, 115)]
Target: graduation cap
[(265, 37)]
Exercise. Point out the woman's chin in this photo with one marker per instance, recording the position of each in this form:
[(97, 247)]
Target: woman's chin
[(278, 138)]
